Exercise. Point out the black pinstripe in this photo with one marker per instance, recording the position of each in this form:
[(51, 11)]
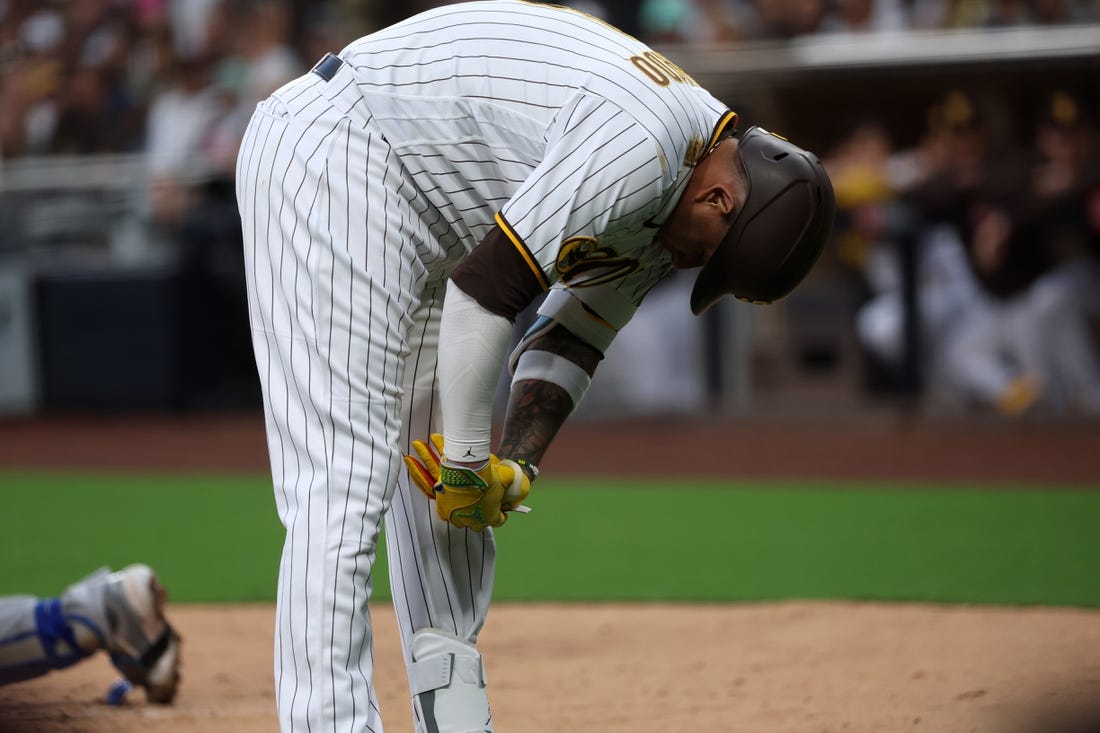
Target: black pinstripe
[(331, 407)]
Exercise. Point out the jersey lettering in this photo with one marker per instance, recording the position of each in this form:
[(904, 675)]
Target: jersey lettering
[(660, 70), (654, 65)]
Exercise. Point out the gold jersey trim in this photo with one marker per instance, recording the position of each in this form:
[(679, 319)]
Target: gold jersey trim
[(728, 120), (526, 253)]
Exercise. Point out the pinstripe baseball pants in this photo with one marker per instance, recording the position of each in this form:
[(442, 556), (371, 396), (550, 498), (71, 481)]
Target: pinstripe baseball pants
[(346, 262)]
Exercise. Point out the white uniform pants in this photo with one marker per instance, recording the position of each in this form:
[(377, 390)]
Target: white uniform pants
[(346, 263), (1042, 333)]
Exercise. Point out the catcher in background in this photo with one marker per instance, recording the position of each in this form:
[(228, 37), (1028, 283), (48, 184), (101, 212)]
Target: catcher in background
[(121, 613), (401, 204)]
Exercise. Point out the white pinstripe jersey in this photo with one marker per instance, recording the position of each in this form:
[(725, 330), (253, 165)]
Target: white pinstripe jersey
[(577, 137)]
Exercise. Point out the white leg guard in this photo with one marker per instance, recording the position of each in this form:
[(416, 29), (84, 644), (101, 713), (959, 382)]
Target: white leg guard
[(447, 679), (38, 635)]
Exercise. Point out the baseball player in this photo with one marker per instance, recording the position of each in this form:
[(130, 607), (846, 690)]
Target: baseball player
[(401, 203), (121, 612)]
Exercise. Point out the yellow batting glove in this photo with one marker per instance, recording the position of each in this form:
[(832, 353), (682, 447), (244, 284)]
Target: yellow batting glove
[(518, 486), (468, 497), (475, 498), (479, 498), (425, 471)]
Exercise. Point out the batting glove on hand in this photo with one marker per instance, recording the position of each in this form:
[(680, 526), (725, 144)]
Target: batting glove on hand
[(468, 497)]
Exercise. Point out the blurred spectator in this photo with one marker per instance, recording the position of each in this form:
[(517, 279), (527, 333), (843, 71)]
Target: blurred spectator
[(179, 119), (724, 21), (1031, 350), (872, 230), (1014, 13), (33, 41), (1064, 178), (1067, 148), (95, 114), (270, 60), (196, 122), (324, 29), (786, 19), (251, 67), (866, 16), (1025, 343), (81, 102), (693, 21), (190, 22)]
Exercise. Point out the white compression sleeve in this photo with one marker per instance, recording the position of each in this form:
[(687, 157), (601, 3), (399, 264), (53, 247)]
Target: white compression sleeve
[(472, 346), (547, 367)]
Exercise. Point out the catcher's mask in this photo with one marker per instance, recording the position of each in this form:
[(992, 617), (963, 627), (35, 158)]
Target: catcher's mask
[(780, 231)]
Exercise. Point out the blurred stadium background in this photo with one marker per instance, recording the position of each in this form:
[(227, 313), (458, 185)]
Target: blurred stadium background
[(949, 333), (961, 136)]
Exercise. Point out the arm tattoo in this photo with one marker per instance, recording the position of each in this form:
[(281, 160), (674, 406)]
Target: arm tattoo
[(537, 409)]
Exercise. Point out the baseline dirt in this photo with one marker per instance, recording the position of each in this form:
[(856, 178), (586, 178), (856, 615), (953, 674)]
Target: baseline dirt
[(798, 667), (839, 449), (780, 668)]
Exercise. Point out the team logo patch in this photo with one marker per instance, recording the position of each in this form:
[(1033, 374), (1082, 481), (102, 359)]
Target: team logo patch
[(584, 262)]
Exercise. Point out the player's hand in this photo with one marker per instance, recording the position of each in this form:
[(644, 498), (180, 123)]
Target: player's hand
[(425, 471), (466, 496)]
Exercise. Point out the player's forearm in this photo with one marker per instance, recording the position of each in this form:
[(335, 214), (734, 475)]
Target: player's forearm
[(536, 411), (485, 293), (473, 345), (536, 408)]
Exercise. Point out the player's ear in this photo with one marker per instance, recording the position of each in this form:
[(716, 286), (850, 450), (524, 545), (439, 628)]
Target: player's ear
[(720, 196)]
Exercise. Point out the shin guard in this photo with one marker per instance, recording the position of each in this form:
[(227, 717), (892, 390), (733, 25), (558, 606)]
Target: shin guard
[(447, 679)]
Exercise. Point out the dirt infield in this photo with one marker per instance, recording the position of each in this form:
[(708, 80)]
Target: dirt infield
[(780, 668), (805, 667)]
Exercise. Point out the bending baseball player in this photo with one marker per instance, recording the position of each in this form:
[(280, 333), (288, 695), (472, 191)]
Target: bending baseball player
[(401, 204)]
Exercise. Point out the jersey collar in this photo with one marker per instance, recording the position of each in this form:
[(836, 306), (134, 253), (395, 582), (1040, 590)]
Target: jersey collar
[(727, 125)]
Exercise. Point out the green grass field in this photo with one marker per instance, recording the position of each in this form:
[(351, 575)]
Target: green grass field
[(216, 538)]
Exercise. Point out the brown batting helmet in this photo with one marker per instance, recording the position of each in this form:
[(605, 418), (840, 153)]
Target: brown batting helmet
[(780, 231)]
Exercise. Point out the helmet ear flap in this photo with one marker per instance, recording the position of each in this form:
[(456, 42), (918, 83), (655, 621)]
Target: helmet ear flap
[(780, 231)]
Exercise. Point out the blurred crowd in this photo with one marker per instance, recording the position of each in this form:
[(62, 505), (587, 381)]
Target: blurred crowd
[(1001, 231), (175, 80), (717, 21), (178, 76)]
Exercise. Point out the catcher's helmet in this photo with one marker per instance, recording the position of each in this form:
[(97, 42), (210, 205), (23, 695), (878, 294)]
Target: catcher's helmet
[(780, 231)]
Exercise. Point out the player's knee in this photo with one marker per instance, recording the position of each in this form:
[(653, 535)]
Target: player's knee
[(447, 679)]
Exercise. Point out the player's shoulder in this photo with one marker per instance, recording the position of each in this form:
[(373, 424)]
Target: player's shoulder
[(677, 119)]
